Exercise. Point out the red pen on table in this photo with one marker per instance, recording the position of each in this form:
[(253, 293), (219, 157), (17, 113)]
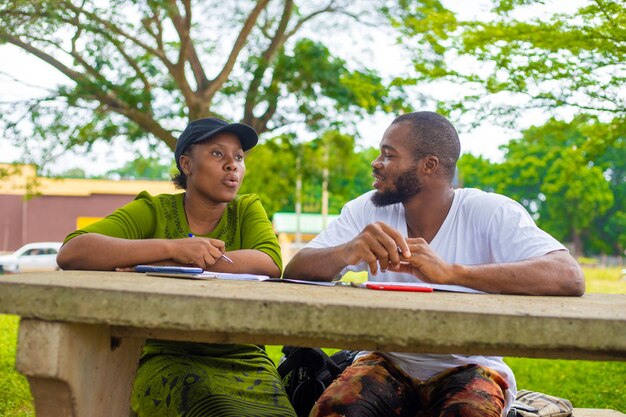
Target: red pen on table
[(224, 257), (396, 287)]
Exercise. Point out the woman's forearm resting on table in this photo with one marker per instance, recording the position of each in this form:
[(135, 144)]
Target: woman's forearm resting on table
[(248, 261), (99, 252)]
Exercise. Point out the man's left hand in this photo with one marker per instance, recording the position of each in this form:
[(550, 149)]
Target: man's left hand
[(425, 264)]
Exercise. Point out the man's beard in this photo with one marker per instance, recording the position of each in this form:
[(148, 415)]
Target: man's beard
[(407, 185)]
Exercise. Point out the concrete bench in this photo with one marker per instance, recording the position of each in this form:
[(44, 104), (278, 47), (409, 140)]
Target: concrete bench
[(592, 412), (82, 332)]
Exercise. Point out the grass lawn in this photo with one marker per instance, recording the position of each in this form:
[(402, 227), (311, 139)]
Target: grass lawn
[(15, 398), (588, 384)]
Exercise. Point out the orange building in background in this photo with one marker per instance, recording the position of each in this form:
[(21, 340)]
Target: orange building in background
[(36, 209)]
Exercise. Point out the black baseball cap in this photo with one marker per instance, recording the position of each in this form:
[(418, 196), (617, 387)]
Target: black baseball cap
[(203, 129)]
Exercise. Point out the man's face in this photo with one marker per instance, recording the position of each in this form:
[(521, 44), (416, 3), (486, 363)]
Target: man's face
[(395, 170)]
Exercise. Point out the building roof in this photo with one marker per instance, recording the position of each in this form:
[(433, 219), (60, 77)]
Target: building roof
[(23, 179), (309, 222)]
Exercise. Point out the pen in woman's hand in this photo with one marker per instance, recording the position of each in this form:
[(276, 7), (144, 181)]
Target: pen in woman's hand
[(227, 259), (224, 257)]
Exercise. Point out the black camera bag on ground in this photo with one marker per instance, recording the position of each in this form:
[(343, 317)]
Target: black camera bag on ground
[(306, 372)]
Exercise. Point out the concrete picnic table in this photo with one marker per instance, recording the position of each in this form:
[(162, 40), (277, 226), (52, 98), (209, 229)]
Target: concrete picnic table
[(82, 332)]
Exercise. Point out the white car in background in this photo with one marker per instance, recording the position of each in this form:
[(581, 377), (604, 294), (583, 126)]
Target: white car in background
[(39, 256)]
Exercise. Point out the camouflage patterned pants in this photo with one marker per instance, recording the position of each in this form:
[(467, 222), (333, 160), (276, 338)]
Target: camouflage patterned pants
[(374, 386)]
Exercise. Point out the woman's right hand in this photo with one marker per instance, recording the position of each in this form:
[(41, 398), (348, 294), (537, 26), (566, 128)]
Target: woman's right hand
[(199, 251)]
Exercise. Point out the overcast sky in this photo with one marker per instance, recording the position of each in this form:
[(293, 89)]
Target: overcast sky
[(22, 76)]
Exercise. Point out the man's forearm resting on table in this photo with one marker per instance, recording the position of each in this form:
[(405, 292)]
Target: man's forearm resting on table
[(314, 264), (556, 273)]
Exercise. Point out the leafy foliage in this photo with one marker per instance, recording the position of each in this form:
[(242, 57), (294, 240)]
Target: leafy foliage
[(569, 176), (574, 61), (272, 172), (149, 168), (143, 69)]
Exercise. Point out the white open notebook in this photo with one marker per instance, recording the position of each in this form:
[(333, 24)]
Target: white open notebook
[(175, 272), (235, 277)]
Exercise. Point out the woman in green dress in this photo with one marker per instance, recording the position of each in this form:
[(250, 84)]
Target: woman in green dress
[(195, 379)]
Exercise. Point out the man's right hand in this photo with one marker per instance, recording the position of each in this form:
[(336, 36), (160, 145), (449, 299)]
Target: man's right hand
[(377, 244)]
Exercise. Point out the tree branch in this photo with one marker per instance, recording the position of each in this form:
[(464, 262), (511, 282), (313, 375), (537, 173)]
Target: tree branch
[(147, 86), (187, 48), (261, 122), (74, 53), (112, 96), (158, 35), (150, 125), (49, 59), (182, 27), (277, 41), (328, 8), (602, 6), (24, 83), (143, 119), (115, 29), (187, 53), (220, 79)]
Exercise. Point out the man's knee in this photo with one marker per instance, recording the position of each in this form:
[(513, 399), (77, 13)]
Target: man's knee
[(372, 386), (469, 391)]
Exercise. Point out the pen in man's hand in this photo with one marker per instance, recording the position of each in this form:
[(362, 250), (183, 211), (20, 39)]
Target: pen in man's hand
[(224, 257), (400, 250)]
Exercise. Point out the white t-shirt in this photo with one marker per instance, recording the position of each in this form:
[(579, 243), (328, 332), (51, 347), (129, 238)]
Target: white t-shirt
[(481, 228)]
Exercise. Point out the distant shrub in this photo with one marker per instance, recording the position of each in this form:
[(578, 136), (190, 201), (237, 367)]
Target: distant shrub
[(588, 261)]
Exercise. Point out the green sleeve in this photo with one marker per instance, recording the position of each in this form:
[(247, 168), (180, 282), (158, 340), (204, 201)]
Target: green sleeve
[(135, 220), (257, 231)]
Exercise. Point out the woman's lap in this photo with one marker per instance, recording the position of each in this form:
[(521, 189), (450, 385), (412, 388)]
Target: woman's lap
[(195, 385)]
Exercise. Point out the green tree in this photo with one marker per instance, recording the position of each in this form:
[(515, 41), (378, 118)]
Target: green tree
[(272, 172), (569, 176), (608, 233), (334, 159), (556, 61), (149, 168), (561, 63), (576, 193), (476, 172), (73, 173), (143, 69)]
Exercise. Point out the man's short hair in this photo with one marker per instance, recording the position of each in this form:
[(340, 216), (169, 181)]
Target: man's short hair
[(433, 134)]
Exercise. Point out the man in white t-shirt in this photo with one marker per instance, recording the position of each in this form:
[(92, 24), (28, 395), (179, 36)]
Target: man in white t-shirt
[(414, 227)]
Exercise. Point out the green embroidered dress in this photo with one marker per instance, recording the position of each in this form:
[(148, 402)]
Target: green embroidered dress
[(198, 379)]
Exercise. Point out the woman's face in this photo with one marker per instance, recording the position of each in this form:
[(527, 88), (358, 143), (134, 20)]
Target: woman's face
[(215, 168)]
